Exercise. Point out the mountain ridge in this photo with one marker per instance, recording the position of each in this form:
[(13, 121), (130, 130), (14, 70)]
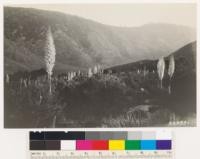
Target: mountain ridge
[(185, 57), (81, 43)]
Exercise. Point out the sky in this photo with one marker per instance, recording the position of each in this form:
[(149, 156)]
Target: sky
[(128, 15)]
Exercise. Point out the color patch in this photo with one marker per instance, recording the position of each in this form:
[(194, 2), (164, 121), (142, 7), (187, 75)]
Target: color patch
[(116, 145), (36, 136), (148, 135), (92, 135), (52, 145), (68, 145), (163, 145), (132, 145), (54, 135), (120, 135), (163, 135), (134, 135), (148, 144), (106, 135), (59, 135), (83, 145), (37, 145), (100, 144)]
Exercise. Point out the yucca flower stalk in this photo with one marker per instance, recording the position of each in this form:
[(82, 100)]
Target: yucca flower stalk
[(161, 70), (7, 78), (95, 70), (90, 72), (49, 57), (171, 70)]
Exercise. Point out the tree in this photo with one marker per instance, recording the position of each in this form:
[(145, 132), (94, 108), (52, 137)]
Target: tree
[(171, 70), (161, 69), (49, 57)]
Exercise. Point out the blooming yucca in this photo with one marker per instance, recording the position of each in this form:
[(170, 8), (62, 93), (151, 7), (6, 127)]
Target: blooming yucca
[(161, 69), (49, 57), (90, 72), (171, 70)]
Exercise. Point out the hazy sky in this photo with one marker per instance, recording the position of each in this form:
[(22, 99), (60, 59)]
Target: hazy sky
[(129, 14)]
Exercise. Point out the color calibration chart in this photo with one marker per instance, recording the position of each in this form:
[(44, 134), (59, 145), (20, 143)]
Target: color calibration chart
[(101, 145)]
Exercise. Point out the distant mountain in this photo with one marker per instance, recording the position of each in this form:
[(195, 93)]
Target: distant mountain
[(185, 60), (185, 63), (82, 43)]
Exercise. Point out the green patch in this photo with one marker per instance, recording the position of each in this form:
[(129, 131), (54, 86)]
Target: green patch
[(133, 145)]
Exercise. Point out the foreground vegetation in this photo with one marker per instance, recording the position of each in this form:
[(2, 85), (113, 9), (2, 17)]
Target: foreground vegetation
[(103, 100)]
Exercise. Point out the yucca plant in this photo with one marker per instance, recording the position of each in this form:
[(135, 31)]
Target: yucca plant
[(95, 70), (171, 70), (161, 70), (49, 57), (90, 72), (7, 78)]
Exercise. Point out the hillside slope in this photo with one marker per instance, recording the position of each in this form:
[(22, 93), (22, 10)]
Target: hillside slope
[(82, 43), (185, 58), (183, 83), (110, 99)]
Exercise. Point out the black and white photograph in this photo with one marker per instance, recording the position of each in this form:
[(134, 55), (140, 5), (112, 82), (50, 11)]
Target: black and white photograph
[(99, 65)]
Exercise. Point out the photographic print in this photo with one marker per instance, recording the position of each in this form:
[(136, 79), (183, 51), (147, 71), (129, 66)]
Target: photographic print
[(100, 65)]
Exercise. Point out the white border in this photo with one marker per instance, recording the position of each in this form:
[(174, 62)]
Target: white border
[(13, 142)]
